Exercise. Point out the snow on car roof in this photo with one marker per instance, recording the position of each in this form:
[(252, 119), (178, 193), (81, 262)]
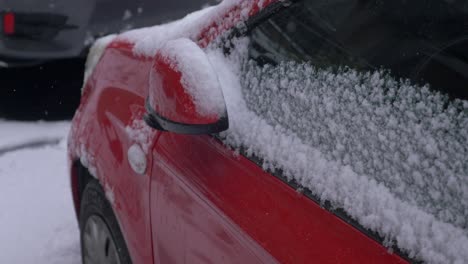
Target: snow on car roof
[(228, 13)]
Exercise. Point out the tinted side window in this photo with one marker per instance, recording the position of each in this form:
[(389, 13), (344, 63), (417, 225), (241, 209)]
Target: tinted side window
[(359, 80), (425, 41)]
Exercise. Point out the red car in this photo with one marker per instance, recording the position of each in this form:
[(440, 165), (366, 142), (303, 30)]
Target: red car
[(177, 156)]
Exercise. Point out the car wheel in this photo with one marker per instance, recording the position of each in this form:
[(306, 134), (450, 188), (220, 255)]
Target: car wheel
[(101, 239)]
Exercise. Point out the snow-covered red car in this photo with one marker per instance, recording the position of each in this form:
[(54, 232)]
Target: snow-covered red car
[(263, 131)]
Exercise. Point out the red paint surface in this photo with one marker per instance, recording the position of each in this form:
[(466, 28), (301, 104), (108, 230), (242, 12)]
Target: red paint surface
[(169, 98), (113, 99), (231, 18), (211, 206), (198, 202)]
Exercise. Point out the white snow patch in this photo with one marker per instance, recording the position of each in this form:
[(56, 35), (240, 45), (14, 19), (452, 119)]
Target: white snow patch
[(37, 220), (13, 133)]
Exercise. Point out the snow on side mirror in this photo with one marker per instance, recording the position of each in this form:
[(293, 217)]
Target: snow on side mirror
[(185, 94)]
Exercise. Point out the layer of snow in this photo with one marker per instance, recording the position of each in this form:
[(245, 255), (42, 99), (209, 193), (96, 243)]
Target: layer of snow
[(37, 219), (317, 126), (197, 75), (408, 138), (13, 133), (148, 40)]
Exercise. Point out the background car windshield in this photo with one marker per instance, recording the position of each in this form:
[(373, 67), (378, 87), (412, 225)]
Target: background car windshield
[(425, 41)]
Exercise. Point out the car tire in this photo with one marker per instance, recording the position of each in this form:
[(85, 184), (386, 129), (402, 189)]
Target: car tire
[(102, 241)]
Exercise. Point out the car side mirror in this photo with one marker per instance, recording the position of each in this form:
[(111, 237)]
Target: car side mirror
[(185, 94)]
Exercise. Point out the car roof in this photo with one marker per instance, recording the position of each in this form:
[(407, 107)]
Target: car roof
[(202, 26)]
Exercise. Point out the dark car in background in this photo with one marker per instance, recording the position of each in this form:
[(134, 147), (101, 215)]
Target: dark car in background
[(34, 31), (43, 45)]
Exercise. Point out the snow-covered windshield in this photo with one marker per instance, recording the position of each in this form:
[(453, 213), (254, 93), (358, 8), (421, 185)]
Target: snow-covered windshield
[(367, 109)]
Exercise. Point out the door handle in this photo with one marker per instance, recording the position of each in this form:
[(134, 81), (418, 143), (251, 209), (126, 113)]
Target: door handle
[(137, 159)]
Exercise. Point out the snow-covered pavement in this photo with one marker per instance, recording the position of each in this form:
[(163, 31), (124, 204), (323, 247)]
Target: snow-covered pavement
[(13, 134), (37, 221)]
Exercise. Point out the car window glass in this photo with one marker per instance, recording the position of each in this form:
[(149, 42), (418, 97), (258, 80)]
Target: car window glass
[(425, 41), (374, 85)]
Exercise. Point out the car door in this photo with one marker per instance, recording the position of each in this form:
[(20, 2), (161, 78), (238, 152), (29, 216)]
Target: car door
[(113, 138), (197, 202), (210, 204)]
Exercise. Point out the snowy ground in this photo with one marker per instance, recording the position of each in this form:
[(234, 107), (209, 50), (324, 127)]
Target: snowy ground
[(37, 221)]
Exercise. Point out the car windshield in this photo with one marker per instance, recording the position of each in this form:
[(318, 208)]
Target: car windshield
[(425, 41)]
